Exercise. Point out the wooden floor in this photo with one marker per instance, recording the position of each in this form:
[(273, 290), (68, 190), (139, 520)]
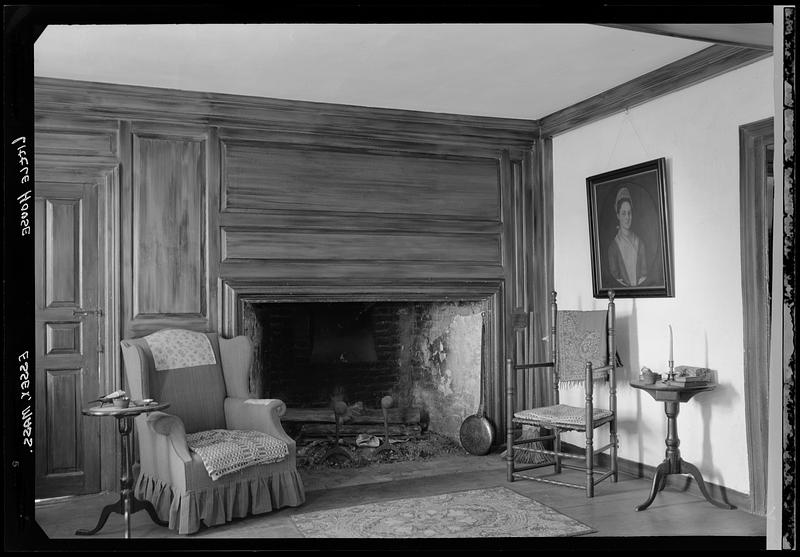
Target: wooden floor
[(675, 518)]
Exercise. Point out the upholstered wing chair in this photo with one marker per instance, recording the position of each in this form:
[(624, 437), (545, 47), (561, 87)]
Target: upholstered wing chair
[(206, 385)]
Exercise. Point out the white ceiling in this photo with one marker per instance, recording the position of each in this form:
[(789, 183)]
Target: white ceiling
[(503, 70)]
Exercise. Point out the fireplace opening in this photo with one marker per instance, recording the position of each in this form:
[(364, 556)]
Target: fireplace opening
[(341, 333), (426, 355)]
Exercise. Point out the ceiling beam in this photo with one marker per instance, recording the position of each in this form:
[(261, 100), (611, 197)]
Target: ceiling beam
[(747, 35), (693, 69)]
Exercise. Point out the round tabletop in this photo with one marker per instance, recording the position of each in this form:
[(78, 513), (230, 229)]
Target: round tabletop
[(132, 410), (672, 391)]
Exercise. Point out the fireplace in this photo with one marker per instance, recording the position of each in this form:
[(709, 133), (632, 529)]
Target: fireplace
[(426, 355)]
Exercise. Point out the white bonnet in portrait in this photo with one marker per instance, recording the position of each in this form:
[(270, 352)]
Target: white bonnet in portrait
[(623, 193)]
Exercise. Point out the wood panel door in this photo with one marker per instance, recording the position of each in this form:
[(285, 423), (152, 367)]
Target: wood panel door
[(68, 320)]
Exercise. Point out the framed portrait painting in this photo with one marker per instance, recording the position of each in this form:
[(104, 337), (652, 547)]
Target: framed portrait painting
[(629, 231)]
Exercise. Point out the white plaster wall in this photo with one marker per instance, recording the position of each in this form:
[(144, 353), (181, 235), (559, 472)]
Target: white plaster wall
[(697, 131)]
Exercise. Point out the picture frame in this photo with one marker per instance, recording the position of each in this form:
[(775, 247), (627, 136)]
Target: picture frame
[(629, 232)]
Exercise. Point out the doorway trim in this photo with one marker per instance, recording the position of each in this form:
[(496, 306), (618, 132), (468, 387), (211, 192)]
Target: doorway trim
[(105, 172), (755, 211)]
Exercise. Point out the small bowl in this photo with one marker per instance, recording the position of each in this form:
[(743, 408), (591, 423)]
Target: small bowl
[(648, 378), (122, 402)]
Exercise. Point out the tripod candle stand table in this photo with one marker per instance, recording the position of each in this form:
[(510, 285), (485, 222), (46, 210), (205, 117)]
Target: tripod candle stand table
[(672, 394), (128, 504)]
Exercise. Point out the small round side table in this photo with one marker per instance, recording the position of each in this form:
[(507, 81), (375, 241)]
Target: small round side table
[(128, 504), (672, 394)]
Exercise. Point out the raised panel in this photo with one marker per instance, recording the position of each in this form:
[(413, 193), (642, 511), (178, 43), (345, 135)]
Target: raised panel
[(63, 420), (62, 248), (265, 176), (168, 218), (63, 338), (76, 143), (357, 273), (359, 246)]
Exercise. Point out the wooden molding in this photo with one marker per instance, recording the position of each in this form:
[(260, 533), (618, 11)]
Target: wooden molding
[(748, 35), (693, 69), (756, 207), (128, 102), (234, 293)]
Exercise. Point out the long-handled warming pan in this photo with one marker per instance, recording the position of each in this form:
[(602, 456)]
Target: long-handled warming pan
[(477, 432)]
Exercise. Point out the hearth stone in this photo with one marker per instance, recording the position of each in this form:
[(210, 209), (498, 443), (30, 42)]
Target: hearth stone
[(428, 445)]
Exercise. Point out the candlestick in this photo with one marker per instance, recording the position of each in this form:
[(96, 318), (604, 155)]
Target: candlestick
[(670, 342), (671, 372)]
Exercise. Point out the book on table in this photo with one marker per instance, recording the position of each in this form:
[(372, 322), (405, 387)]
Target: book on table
[(690, 380), (692, 374)]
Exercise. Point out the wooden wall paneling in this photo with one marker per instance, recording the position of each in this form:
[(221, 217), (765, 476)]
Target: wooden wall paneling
[(355, 272), (168, 264), (373, 124), (77, 142), (353, 138), (543, 281), (236, 291), (517, 285), (113, 102), (334, 245), (127, 102), (528, 166), (75, 136), (508, 289), (260, 176), (286, 170), (344, 222), (168, 211), (126, 227), (111, 377)]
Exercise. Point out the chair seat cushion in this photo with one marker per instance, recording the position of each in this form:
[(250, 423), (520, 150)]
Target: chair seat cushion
[(562, 415), (225, 451)]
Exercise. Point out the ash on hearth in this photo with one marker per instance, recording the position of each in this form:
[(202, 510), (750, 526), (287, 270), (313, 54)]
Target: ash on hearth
[(320, 453)]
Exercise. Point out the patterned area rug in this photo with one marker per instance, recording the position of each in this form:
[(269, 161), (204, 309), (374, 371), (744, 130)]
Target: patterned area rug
[(480, 513)]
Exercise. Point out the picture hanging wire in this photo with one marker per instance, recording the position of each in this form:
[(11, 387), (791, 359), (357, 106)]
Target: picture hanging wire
[(629, 121)]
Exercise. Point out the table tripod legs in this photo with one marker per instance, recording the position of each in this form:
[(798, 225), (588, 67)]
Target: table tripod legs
[(683, 467), (674, 464), (692, 469), (117, 507), (659, 480), (128, 504)]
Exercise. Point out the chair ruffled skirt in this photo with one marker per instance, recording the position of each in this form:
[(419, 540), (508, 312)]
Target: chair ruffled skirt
[(221, 503)]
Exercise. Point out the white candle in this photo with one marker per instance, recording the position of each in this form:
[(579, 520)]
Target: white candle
[(670, 343)]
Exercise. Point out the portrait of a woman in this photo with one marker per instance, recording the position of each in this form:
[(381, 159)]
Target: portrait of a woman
[(627, 260), (628, 231)]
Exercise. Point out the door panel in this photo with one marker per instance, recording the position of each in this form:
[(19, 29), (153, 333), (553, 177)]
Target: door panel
[(67, 373)]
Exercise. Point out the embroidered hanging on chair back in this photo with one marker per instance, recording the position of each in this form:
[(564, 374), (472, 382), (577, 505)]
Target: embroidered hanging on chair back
[(581, 336), (178, 348)]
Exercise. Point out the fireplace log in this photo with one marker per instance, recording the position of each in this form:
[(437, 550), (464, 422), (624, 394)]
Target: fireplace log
[(367, 416), (352, 430)]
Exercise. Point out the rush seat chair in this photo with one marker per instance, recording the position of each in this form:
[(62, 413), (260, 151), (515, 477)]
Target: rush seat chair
[(581, 345)]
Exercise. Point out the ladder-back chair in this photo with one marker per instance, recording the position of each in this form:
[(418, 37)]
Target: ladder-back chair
[(582, 350)]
